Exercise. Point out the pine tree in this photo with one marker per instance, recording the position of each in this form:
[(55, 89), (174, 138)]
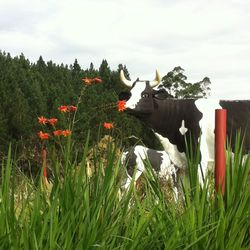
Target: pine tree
[(105, 73)]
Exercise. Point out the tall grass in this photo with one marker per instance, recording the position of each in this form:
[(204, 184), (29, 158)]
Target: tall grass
[(82, 212)]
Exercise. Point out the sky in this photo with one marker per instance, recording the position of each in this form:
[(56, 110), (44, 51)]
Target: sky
[(206, 38)]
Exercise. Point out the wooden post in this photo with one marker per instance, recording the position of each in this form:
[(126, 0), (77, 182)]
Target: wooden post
[(220, 149)]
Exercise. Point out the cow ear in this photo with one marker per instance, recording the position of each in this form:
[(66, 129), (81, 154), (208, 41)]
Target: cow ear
[(162, 94)]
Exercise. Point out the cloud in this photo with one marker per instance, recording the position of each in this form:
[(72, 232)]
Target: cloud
[(23, 16), (205, 38)]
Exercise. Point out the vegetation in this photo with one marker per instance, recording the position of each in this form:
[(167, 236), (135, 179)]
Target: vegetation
[(76, 211), (176, 83), (77, 205), (30, 90)]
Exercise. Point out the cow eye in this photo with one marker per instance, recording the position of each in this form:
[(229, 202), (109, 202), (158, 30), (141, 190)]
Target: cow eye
[(145, 95)]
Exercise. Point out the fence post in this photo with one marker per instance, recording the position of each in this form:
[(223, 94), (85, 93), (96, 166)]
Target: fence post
[(220, 149)]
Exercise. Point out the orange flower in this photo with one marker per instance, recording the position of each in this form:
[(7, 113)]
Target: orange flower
[(52, 121), (63, 108), (66, 133), (87, 81), (43, 136), (121, 105), (108, 125), (72, 108), (97, 80), (57, 132), (42, 120)]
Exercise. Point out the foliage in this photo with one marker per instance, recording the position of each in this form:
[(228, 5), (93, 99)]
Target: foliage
[(30, 90), (176, 83), (80, 212)]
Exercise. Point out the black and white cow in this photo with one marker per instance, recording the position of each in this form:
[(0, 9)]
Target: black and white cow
[(134, 160), (171, 119)]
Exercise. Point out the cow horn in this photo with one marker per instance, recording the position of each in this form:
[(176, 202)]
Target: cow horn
[(124, 80), (156, 81)]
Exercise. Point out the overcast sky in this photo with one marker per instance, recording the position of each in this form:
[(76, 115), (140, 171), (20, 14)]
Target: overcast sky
[(206, 38)]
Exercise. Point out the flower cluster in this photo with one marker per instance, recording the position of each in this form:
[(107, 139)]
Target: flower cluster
[(60, 132), (108, 125), (69, 108), (53, 121), (43, 136), (89, 81), (121, 105)]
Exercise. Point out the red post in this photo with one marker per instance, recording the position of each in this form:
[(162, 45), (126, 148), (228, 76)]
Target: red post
[(44, 162), (220, 148)]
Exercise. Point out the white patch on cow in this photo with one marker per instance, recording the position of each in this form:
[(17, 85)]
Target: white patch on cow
[(123, 157), (140, 153), (167, 172), (207, 124), (127, 183), (183, 130), (165, 166), (178, 158), (123, 162), (135, 95)]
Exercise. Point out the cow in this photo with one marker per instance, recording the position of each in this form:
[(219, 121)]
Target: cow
[(134, 160), (181, 122)]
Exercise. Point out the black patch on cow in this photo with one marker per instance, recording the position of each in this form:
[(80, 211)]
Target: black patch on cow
[(155, 159), (238, 120), (161, 94), (130, 161), (153, 156), (166, 119), (145, 105)]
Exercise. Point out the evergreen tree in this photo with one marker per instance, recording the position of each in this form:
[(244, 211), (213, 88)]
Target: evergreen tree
[(91, 67), (41, 64), (105, 73), (76, 67), (125, 70)]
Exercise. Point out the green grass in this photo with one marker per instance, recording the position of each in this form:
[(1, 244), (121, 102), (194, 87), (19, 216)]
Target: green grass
[(79, 212)]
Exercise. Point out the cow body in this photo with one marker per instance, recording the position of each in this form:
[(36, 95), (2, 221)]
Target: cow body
[(134, 160), (176, 120)]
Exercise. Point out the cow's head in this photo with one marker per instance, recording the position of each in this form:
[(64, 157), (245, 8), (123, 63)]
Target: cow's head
[(140, 98)]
